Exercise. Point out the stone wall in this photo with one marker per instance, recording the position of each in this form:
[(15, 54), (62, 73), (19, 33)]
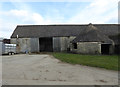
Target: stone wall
[(65, 43), (61, 44), (87, 48)]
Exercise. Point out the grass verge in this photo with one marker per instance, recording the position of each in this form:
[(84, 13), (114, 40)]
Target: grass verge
[(103, 61)]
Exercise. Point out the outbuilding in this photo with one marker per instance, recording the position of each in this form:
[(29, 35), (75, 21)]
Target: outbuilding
[(92, 41)]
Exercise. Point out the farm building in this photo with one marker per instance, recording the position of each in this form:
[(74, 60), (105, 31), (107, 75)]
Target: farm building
[(85, 39), (92, 41)]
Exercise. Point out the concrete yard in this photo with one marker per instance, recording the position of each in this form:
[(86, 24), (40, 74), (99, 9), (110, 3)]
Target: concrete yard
[(43, 69)]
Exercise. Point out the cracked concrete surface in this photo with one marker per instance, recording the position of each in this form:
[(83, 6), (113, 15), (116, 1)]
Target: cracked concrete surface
[(44, 69)]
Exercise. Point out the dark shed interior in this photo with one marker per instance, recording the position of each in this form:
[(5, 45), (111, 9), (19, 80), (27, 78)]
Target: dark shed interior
[(105, 48)]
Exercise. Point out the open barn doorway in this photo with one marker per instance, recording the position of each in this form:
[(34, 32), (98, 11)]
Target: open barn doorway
[(105, 48), (117, 49), (46, 44)]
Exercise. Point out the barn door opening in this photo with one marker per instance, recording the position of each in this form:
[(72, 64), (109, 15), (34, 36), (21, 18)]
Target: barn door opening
[(117, 49), (46, 44), (105, 48)]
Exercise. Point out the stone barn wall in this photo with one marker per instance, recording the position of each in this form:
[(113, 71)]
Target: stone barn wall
[(65, 43), (61, 44), (87, 48)]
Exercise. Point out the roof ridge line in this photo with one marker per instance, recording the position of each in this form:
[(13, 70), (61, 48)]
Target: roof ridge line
[(66, 24)]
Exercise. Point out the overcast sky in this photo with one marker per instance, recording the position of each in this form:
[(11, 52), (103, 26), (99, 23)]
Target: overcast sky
[(39, 13)]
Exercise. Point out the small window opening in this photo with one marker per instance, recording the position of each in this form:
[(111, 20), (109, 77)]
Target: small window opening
[(75, 45)]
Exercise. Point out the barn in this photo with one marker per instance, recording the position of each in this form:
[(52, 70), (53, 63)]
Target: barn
[(87, 38)]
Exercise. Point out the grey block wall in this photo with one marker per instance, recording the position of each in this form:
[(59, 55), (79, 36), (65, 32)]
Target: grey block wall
[(87, 48)]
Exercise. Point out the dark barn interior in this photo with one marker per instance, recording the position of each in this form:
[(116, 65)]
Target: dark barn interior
[(117, 49), (105, 48), (46, 44)]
